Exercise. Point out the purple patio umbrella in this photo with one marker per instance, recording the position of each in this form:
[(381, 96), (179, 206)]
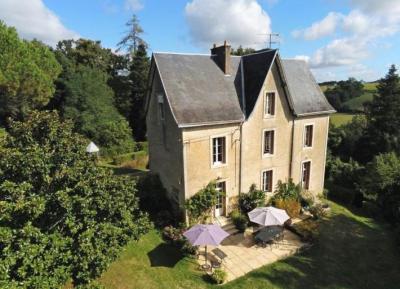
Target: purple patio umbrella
[(205, 235)]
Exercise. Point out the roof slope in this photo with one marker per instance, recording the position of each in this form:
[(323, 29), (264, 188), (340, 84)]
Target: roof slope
[(306, 95), (198, 91), (255, 70)]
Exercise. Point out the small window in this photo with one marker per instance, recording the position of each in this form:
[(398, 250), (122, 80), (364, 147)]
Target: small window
[(161, 111), (269, 142), (308, 135), (267, 181), (306, 171), (219, 156), (269, 108)]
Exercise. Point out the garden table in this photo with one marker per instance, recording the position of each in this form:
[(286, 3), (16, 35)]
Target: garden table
[(268, 234)]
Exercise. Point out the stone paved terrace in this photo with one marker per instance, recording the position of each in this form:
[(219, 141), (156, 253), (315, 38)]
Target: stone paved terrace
[(243, 255)]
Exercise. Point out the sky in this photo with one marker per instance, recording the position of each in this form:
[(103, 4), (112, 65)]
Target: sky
[(338, 38)]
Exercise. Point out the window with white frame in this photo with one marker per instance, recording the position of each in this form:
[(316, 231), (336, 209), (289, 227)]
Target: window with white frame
[(269, 104), (268, 139), (306, 172), (161, 112), (266, 184), (308, 135), (219, 151)]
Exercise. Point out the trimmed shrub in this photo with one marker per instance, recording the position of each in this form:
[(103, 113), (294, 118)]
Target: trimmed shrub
[(239, 220), (307, 229), (218, 276), (291, 206), (174, 236), (318, 211)]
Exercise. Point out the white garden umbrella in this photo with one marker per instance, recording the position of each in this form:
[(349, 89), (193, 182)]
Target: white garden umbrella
[(268, 216), (92, 148)]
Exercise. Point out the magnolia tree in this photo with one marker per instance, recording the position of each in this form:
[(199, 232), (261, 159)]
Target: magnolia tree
[(61, 216)]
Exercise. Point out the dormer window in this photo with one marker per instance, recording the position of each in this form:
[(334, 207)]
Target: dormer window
[(269, 104), (161, 112)]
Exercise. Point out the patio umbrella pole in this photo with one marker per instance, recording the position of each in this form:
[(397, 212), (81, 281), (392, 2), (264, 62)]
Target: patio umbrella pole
[(206, 257)]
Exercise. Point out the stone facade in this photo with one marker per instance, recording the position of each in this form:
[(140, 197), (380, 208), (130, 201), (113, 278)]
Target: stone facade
[(183, 157)]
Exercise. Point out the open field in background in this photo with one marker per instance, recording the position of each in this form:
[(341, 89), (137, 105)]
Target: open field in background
[(339, 119), (353, 252), (356, 104), (132, 164)]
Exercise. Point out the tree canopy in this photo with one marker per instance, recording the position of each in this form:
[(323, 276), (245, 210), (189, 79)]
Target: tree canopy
[(85, 96), (343, 91), (28, 70), (62, 216)]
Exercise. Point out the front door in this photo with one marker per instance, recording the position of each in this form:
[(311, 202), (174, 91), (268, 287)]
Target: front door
[(220, 206)]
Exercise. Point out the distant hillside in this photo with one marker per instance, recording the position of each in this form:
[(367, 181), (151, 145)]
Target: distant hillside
[(355, 104)]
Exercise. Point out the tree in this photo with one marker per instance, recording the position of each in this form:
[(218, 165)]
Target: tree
[(138, 76), (240, 51), (84, 95), (343, 91), (27, 74), (382, 182), (383, 121), (61, 215), (133, 39)]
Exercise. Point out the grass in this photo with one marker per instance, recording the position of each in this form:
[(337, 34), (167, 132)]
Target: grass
[(353, 252), (339, 119)]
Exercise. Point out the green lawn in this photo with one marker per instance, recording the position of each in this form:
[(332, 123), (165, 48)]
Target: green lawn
[(339, 119), (353, 252)]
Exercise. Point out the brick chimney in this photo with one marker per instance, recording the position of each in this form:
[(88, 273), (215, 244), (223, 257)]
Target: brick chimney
[(222, 57)]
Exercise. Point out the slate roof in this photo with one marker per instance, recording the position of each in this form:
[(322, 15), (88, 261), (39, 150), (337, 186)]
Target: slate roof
[(199, 93), (306, 95)]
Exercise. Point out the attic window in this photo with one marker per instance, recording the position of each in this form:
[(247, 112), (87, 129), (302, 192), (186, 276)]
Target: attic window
[(161, 111), (269, 104)]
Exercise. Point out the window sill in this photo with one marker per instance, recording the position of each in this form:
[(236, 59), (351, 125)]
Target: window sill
[(264, 156), (218, 165), (269, 116), (307, 148)]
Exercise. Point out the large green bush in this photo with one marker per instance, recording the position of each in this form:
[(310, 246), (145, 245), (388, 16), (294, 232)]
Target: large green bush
[(251, 200), (62, 216)]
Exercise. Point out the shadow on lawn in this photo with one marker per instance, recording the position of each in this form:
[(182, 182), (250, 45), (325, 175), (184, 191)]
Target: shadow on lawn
[(164, 255), (350, 254)]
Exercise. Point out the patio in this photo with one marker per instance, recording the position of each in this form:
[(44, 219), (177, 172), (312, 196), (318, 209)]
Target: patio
[(243, 255)]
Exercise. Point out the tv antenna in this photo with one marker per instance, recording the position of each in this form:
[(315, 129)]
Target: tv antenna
[(272, 38)]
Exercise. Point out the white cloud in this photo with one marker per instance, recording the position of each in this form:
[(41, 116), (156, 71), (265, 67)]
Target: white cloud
[(325, 27), (134, 5), (240, 22), (361, 30), (339, 52), (33, 19)]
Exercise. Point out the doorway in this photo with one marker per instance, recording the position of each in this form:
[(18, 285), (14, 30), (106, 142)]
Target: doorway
[(220, 206)]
